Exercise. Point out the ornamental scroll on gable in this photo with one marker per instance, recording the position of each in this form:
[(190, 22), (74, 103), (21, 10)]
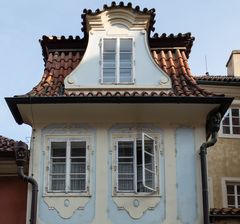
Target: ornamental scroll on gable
[(117, 53)]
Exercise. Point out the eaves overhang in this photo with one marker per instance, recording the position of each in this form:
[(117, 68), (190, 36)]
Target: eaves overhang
[(13, 102)]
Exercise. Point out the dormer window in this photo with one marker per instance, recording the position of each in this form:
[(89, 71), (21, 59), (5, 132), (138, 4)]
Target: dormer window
[(117, 61)]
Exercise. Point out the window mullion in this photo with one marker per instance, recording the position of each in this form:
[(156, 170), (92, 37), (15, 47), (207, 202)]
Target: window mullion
[(116, 169), (135, 165), (230, 121), (117, 72), (68, 165), (235, 196), (87, 166), (101, 44), (133, 63)]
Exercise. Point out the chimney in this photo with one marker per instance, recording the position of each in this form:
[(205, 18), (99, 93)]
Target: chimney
[(233, 64)]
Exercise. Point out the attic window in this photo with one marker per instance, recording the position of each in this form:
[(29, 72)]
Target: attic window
[(117, 61)]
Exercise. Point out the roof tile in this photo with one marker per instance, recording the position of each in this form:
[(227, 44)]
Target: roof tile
[(173, 62), (6, 144), (63, 54), (225, 211)]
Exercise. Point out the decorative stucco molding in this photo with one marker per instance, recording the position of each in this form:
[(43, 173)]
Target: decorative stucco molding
[(136, 206), (131, 20), (66, 206)]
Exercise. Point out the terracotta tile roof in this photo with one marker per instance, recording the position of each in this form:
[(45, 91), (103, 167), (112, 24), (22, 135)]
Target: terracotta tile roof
[(224, 213), (62, 55), (181, 40), (173, 62), (218, 80), (6, 144)]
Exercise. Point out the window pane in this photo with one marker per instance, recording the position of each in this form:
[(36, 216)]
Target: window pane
[(236, 130), (125, 168), (78, 149), (125, 70), (125, 149), (125, 75), (231, 201), (78, 185), (109, 60), (125, 165), (238, 189), (125, 45), (58, 185), (125, 185), (149, 179), (148, 163), (226, 130), (235, 121), (78, 168), (109, 45), (225, 121), (230, 189), (109, 75), (148, 145), (58, 149), (58, 168), (235, 112)]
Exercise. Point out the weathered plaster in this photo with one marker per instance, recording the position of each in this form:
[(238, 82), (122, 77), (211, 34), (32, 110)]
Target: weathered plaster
[(186, 175), (223, 161)]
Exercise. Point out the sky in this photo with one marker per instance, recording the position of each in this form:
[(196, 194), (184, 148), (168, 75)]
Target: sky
[(213, 23)]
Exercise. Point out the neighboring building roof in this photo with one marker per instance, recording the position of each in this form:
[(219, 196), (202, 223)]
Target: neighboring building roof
[(6, 144), (6, 147), (225, 213), (218, 80)]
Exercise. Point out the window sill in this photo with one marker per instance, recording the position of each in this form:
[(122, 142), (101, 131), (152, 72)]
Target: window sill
[(228, 135), (139, 194), (66, 194), (117, 83)]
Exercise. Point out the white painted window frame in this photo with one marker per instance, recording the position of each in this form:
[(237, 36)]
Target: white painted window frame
[(231, 135), (67, 191), (134, 161), (144, 169), (117, 72), (152, 191), (225, 181)]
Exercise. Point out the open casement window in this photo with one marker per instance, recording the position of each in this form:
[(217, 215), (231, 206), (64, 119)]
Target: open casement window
[(233, 195), (231, 122), (117, 61), (148, 162), (136, 165), (68, 166)]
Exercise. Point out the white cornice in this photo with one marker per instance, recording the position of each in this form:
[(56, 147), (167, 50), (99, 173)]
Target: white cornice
[(127, 18)]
